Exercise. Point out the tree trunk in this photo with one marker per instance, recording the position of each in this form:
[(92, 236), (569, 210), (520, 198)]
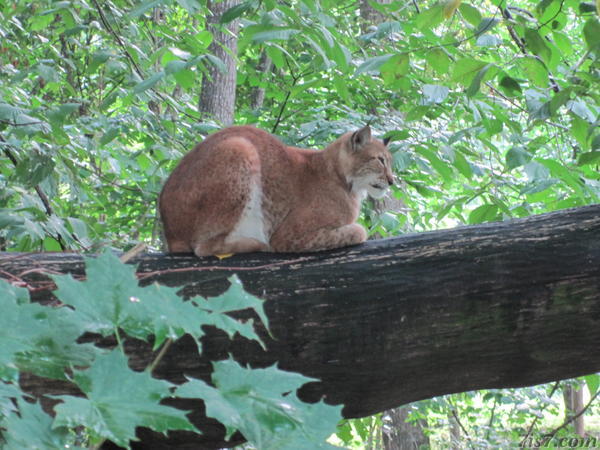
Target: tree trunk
[(371, 17), (573, 397), (217, 98), (387, 322), (398, 434)]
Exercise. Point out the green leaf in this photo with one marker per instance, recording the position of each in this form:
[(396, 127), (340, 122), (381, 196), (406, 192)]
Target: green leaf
[(591, 33), (11, 294), (236, 299), (107, 299), (563, 43), (217, 62), (486, 24), (510, 87), (517, 156), (141, 9), (538, 186), (112, 410), (275, 34), (466, 69), (559, 99), (475, 84), (593, 382), (470, 13), (373, 64), (185, 78), (589, 158), (8, 393), (149, 83), (439, 60), (32, 429), (440, 166), (110, 298), (579, 130), (48, 73), (263, 406), (110, 135), (28, 337), (430, 18), (463, 166), (395, 68), (236, 11), (535, 70), (59, 114), (581, 109), (537, 45), (483, 213)]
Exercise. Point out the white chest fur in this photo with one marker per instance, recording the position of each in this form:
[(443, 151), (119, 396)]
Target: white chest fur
[(251, 222)]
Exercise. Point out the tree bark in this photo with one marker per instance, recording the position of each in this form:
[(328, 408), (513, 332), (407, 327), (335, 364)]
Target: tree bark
[(398, 434), (371, 17), (217, 98), (392, 321), (573, 397)]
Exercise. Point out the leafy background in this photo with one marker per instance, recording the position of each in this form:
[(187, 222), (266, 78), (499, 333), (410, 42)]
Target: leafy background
[(493, 108)]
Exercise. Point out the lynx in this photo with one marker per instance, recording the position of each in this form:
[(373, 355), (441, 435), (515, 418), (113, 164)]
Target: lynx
[(242, 190)]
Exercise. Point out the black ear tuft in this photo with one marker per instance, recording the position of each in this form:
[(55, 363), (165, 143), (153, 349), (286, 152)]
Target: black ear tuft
[(360, 138), (386, 140)]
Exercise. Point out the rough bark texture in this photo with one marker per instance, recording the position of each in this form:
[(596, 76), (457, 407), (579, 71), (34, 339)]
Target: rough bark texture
[(371, 17), (217, 98), (392, 321), (398, 434)]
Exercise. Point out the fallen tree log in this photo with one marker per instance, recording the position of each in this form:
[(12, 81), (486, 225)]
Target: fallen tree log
[(389, 322)]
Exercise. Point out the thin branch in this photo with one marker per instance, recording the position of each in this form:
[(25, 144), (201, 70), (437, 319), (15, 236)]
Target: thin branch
[(513, 34), (554, 16), (516, 105), (160, 355), (43, 197), (535, 419), (487, 436), (416, 6), (295, 79), (13, 124), (283, 105), (464, 430), (110, 29), (572, 418)]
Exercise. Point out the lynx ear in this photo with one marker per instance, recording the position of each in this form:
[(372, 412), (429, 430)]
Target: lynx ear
[(360, 138), (386, 140)]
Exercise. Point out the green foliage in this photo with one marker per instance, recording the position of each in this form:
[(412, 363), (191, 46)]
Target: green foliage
[(112, 410), (243, 395), (116, 399), (493, 109), (100, 101)]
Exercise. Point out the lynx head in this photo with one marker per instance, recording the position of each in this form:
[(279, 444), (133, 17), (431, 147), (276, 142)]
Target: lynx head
[(368, 163)]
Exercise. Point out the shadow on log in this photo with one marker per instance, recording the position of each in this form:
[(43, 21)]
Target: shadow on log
[(392, 321)]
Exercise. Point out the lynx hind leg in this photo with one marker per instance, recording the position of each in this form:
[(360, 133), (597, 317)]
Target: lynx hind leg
[(234, 222), (323, 239)]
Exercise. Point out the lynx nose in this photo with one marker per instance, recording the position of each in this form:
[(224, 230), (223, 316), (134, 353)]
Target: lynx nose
[(390, 180)]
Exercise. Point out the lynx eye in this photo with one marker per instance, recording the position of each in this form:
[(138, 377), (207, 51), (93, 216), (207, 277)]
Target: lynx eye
[(381, 160)]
